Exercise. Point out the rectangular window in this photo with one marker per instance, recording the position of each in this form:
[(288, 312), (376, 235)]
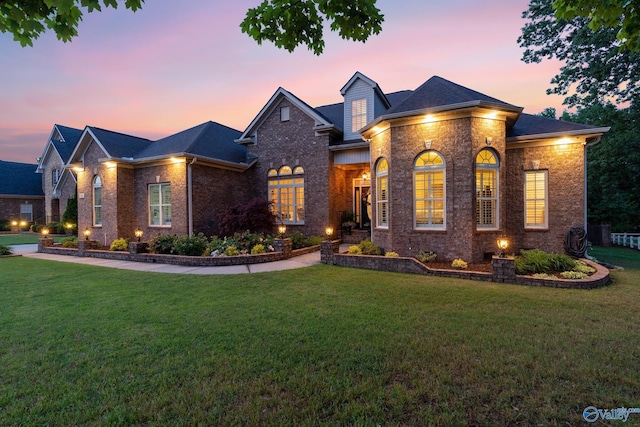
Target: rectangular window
[(160, 205), (55, 176), (97, 206), (487, 198), (535, 199), (358, 114), (26, 212), (382, 201), (429, 198), (284, 114), (287, 199)]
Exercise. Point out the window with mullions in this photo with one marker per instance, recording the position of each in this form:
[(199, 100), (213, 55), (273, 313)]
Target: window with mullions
[(382, 193), (97, 200), (487, 168), (429, 192), (535, 199), (286, 194), (160, 205), (358, 114)]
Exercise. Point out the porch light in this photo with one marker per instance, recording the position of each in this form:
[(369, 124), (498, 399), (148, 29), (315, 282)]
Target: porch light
[(138, 233), (329, 232), (365, 176), (282, 229), (44, 231), (503, 244), (86, 233)]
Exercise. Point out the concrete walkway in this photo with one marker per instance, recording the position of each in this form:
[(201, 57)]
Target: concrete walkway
[(30, 251)]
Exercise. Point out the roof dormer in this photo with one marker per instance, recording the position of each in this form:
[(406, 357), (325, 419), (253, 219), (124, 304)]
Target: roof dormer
[(363, 102)]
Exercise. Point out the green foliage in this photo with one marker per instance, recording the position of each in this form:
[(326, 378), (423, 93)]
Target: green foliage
[(459, 264), (258, 249), (5, 250), (70, 215), (162, 244), (54, 228), (27, 20), (621, 15), (354, 250), (231, 251), (573, 275), (121, 244), (391, 254), (543, 276), (368, 248), (536, 261), (561, 262), (298, 240), (69, 242), (426, 256), (5, 225), (190, 245), (582, 267), (290, 23), (612, 73)]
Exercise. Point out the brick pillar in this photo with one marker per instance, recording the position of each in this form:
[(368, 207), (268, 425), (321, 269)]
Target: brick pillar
[(45, 242), (283, 245), (138, 247), (504, 269), (85, 245), (327, 249)]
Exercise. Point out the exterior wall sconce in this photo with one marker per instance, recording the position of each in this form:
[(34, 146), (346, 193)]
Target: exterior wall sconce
[(44, 231), (489, 140), (503, 245), (365, 176), (282, 229), (329, 232), (86, 233), (138, 233)]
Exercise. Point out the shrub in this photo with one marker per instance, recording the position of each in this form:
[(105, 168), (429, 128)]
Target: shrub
[(257, 249), (70, 214), (298, 240), (5, 250), (368, 248), (561, 262), (426, 256), (162, 244), (231, 251), (255, 216), (459, 264), (536, 261), (573, 275), (314, 240), (544, 276), (119, 245), (247, 240), (354, 250), (69, 242), (582, 267), (190, 245), (55, 228), (391, 254)]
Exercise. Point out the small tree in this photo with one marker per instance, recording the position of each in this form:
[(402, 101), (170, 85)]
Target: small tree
[(70, 215), (255, 216)]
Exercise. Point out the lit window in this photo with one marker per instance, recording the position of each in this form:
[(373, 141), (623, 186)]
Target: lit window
[(535, 199), (429, 193), (97, 200), (160, 205), (358, 114), (286, 194), (487, 167), (382, 193)]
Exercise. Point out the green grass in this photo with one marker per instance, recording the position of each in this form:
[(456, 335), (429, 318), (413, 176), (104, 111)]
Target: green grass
[(83, 345), (22, 239)]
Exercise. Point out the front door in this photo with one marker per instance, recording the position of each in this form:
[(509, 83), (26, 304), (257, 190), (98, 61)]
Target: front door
[(361, 199)]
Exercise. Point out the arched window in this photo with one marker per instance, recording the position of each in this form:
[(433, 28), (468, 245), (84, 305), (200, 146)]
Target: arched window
[(382, 193), (97, 200), (429, 191), (286, 193), (487, 168)]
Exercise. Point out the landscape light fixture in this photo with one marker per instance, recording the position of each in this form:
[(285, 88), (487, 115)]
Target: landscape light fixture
[(282, 229), (138, 233), (503, 244), (44, 231), (329, 232), (86, 233)]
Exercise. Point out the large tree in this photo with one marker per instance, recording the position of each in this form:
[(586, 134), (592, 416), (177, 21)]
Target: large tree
[(595, 68), (286, 23)]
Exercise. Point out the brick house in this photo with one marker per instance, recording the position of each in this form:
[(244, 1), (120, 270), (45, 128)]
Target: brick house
[(21, 196), (440, 168), (58, 182)]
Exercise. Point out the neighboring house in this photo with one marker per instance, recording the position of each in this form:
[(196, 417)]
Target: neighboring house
[(58, 182), (442, 168), (21, 196), (176, 185)]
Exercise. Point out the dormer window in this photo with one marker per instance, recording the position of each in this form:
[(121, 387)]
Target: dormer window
[(358, 114)]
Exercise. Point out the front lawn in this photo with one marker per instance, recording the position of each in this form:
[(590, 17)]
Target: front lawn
[(83, 345), (22, 239)]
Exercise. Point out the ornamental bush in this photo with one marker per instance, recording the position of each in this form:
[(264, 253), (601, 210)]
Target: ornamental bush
[(354, 250), (391, 254), (69, 242), (162, 243), (426, 256), (119, 245), (5, 250), (231, 251), (257, 249), (368, 248), (190, 245), (459, 264), (536, 261)]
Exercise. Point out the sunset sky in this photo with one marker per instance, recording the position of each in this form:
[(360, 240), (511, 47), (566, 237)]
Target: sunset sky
[(174, 65)]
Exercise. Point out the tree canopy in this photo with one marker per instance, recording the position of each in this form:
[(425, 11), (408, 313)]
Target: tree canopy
[(286, 23), (595, 68)]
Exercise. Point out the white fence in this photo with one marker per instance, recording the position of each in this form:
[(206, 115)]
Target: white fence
[(631, 240)]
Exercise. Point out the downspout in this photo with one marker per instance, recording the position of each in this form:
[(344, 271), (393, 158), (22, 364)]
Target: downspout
[(190, 196)]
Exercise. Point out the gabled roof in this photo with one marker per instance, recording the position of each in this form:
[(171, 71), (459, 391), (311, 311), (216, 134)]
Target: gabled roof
[(322, 123), (115, 145), (440, 93), (209, 139), (529, 126), (19, 179), (359, 76), (63, 140)]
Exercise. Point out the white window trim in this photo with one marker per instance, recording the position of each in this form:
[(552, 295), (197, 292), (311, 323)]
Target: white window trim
[(275, 183), (496, 168), (545, 225), (362, 117), (93, 201), (379, 202), (160, 205), (419, 169)]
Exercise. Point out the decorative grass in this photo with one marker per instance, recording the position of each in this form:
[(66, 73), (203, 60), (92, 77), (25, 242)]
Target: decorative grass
[(83, 345)]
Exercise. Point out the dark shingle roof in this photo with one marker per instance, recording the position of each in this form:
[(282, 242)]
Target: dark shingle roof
[(70, 136), (529, 124), (439, 92), (210, 139), (119, 145), (20, 179)]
